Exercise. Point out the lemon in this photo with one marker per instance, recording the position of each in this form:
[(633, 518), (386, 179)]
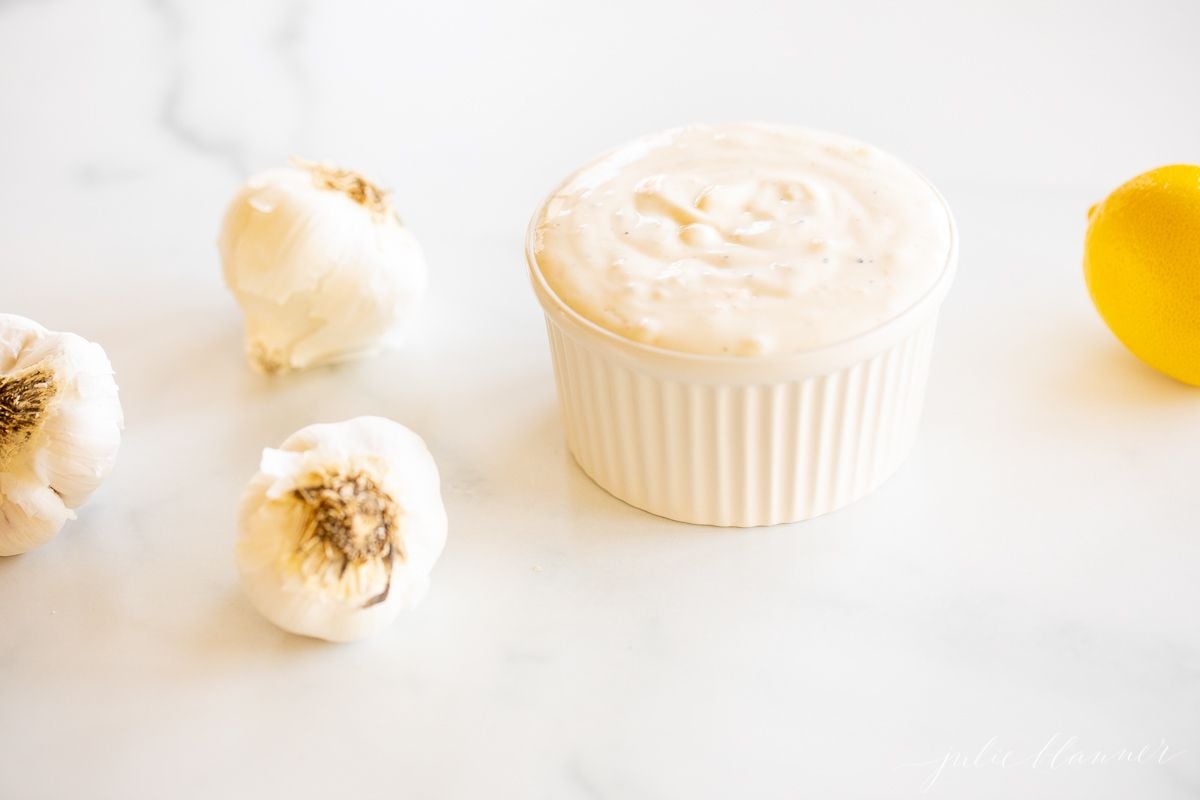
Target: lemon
[(1141, 260)]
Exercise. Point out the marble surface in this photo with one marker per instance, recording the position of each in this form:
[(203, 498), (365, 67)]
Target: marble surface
[(1014, 609)]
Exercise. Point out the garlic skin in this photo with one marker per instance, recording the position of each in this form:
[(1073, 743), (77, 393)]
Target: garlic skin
[(340, 528), (321, 265), (60, 429)]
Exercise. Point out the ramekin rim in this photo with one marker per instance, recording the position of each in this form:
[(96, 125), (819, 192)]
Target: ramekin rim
[(545, 291)]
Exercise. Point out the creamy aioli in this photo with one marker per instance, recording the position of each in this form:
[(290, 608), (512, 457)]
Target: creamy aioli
[(742, 239)]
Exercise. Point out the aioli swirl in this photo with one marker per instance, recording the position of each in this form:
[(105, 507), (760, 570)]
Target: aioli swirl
[(743, 239)]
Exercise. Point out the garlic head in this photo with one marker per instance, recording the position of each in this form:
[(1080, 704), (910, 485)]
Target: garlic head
[(60, 429), (321, 265), (340, 528)]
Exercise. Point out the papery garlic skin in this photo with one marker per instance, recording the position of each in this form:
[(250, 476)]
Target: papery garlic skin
[(60, 429), (340, 528), (321, 265)]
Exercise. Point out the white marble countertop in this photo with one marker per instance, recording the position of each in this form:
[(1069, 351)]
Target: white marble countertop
[(1027, 585)]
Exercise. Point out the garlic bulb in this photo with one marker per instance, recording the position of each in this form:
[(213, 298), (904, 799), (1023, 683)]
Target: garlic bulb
[(340, 528), (60, 427), (321, 265)]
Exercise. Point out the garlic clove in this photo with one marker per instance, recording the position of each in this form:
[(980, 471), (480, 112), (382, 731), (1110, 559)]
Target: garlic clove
[(340, 528), (81, 440), (60, 429), (321, 265), (30, 514)]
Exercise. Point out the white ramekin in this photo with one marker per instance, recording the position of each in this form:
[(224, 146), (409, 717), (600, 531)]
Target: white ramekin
[(734, 440)]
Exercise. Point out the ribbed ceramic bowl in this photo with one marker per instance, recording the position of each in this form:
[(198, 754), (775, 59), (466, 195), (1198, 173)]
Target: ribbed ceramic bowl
[(741, 441)]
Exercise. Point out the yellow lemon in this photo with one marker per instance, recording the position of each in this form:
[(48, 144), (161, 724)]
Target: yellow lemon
[(1141, 260)]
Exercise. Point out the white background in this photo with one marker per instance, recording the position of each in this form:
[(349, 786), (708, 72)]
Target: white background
[(1031, 573)]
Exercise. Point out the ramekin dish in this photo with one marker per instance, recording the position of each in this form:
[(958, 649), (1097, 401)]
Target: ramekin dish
[(741, 441)]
